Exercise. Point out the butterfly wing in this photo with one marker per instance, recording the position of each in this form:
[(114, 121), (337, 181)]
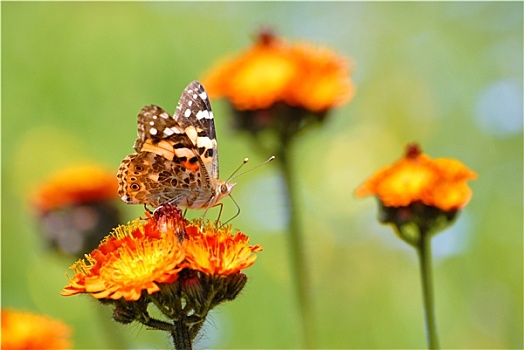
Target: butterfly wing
[(176, 157), (149, 178), (194, 115)]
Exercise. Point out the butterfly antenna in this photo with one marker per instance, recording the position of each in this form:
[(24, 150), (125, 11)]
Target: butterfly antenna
[(248, 170), (237, 169)]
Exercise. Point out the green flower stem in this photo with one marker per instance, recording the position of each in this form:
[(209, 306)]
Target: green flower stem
[(424, 253), (296, 245), (180, 334)]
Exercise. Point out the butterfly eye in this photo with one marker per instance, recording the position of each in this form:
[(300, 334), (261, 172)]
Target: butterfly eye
[(223, 188)]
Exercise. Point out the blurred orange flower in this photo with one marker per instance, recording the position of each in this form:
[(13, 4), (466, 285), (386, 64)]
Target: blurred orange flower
[(76, 207), (134, 258), (28, 331), (216, 251), (439, 183), (76, 185), (272, 71)]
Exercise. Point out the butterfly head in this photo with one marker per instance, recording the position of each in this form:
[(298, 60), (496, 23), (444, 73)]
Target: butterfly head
[(223, 189)]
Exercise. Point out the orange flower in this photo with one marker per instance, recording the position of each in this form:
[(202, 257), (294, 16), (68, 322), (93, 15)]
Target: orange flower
[(256, 78), (322, 79), (439, 183), (183, 268), (216, 251), (134, 258), (25, 330), (78, 185), (273, 71)]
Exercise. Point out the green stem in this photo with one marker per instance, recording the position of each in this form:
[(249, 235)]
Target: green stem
[(181, 337), (298, 259), (424, 253)]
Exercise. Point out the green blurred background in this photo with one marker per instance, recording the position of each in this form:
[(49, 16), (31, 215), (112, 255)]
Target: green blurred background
[(448, 75)]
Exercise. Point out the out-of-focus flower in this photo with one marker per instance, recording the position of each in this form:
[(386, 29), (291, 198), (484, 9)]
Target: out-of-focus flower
[(439, 182), (257, 78), (274, 81), (420, 196), (77, 185), (322, 80), (184, 268), (29, 331), (420, 190), (75, 205)]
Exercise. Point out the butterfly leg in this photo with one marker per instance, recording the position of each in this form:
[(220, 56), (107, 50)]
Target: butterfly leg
[(234, 216), (147, 209), (219, 212)]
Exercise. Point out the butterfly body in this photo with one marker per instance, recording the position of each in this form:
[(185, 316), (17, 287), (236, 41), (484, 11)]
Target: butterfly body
[(176, 159)]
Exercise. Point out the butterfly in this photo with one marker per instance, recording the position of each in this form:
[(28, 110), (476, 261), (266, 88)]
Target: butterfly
[(176, 159)]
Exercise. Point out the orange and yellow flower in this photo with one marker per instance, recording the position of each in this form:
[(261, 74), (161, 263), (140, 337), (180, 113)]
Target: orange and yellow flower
[(272, 71), (137, 257), (76, 185), (439, 183), (134, 258), (28, 331), (216, 251)]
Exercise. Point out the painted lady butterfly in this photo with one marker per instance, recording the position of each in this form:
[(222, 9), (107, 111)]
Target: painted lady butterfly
[(176, 159)]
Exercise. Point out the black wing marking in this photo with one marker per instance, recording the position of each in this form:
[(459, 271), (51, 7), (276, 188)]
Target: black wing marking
[(195, 116)]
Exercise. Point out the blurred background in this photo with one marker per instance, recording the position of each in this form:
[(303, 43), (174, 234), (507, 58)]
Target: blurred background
[(448, 75)]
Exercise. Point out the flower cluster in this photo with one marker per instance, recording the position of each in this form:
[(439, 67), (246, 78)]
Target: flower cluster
[(419, 190), (25, 330), (184, 268)]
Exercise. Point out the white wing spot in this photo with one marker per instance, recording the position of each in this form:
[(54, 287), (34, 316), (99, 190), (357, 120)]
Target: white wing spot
[(152, 122), (172, 130), (203, 114), (206, 142), (155, 116), (189, 103), (187, 113), (164, 115), (203, 95), (153, 131), (195, 96)]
